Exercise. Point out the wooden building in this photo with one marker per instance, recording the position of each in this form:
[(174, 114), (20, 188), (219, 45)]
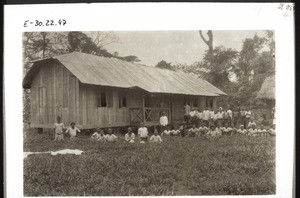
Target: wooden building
[(96, 91)]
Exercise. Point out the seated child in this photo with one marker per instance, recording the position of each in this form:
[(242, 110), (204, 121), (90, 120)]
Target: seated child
[(101, 136), (234, 131), (213, 132), (227, 130), (251, 123), (166, 132), (193, 131), (252, 131), (221, 128), (72, 130), (111, 137), (129, 136), (155, 137), (202, 130), (95, 135), (182, 130), (175, 132), (262, 131), (271, 131), (242, 130), (58, 130)]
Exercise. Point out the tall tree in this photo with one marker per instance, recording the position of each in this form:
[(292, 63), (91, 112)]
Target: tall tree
[(219, 64), (102, 38), (209, 41)]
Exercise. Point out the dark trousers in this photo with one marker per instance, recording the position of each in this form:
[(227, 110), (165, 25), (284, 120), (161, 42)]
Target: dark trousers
[(235, 121), (186, 118)]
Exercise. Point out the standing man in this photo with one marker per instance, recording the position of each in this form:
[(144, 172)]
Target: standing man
[(187, 110), (206, 116), (220, 117), (247, 116), (143, 133), (230, 115), (163, 121)]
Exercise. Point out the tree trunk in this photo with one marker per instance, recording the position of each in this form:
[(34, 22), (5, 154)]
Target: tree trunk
[(44, 43), (208, 42)]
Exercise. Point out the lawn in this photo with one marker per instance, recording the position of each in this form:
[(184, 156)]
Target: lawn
[(178, 166)]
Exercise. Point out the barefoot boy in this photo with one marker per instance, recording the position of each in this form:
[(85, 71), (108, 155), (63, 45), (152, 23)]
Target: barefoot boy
[(58, 130)]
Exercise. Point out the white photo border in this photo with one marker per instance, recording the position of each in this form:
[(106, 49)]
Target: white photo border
[(152, 16)]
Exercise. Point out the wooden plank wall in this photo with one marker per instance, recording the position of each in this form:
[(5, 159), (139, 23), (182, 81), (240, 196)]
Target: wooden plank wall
[(92, 116), (56, 92), (53, 93)]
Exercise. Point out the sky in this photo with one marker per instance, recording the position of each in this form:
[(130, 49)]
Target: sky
[(184, 47)]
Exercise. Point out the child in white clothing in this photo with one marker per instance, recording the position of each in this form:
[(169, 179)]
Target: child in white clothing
[(58, 130), (72, 130), (272, 130), (155, 137)]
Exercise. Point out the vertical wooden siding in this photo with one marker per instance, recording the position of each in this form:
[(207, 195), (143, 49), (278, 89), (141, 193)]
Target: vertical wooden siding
[(56, 92), (53, 93), (92, 116)]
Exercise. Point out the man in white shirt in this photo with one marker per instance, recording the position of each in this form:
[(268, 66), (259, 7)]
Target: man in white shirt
[(220, 117), (143, 133), (206, 117), (187, 110), (163, 121), (248, 116)]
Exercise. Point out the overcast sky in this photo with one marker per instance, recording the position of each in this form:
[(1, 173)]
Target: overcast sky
[(174, 46)]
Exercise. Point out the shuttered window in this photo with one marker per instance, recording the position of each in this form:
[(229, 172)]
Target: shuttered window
[(109, 97), (104, 98), (122, 101)]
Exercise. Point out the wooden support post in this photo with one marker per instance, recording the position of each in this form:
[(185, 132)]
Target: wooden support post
[(143, 108)]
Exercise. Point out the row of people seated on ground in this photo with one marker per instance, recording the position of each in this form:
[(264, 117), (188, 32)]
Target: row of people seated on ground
[(252, 131), (130, 137), (203, 130)]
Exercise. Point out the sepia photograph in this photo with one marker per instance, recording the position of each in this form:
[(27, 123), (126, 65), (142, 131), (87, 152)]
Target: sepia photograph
[(149, 113), (149, 99)]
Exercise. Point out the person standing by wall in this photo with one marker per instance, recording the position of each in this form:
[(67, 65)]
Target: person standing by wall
[(163, 121), (187, 110)]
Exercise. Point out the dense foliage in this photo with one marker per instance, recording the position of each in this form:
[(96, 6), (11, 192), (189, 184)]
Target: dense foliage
[(240, 74)]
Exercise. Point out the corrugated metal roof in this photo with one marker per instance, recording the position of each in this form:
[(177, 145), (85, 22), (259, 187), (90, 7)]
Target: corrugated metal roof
[(96, 70)]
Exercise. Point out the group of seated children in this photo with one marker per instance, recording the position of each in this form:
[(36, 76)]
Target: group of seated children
[(100, 136), (129, 136)]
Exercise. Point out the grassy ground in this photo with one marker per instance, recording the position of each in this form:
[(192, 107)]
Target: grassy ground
[(178, 166)]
